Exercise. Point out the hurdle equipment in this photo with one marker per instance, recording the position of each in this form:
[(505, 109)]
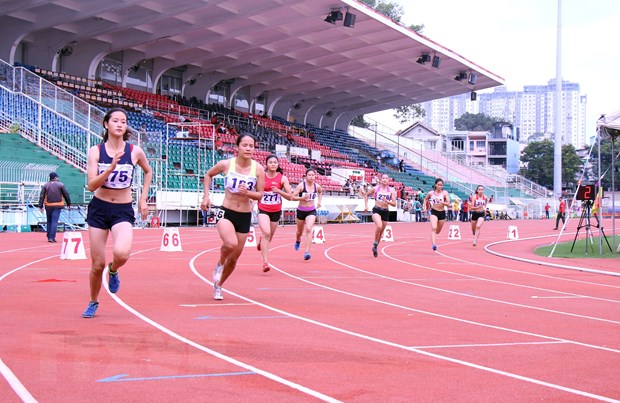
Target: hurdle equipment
[(388, 234), (513, 232), (454, 232), (72, 247), (318, 235), (250, 241), (171, 240)]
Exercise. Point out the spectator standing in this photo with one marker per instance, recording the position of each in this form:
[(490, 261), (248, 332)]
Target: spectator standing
[(465, 211), (561, 213), (547, 208), (51, 197), (417, 206)]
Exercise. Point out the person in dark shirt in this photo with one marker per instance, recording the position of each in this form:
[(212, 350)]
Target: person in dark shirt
[(51, 197)]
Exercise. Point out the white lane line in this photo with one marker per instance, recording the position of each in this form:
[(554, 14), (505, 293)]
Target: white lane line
[(416, 350), (559, 297), (468, 295), (525, 343), (214, 304), (214, 353), (15, 384), (543, 263)]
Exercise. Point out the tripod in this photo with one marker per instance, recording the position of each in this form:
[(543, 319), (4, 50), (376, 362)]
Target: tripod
[(584, 222)]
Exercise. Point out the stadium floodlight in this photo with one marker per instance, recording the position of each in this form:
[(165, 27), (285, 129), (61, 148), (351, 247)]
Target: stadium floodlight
[(473, 77), (461, 76), (349, 20), (333, 16), (424, 58)]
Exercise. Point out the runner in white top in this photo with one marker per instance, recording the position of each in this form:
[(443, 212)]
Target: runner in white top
[(477, 205), (244, 182), (437, 200), (385, 196)]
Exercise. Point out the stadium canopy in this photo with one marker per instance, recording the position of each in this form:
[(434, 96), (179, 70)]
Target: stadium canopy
[(282, 52)]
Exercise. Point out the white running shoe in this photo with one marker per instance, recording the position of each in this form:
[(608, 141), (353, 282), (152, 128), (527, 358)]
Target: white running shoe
[(217, 272), (217, 292)]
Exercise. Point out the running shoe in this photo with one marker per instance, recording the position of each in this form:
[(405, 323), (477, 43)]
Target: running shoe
[(217, 272), (258, 246), (217, 292), (297, 245), (374, 249), (475, 242), (307, 256), (114, 282), (434, 247), (91, 309), (266, 267)]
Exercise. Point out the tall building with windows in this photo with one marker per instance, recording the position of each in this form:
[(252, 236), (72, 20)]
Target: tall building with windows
[(531, 110)]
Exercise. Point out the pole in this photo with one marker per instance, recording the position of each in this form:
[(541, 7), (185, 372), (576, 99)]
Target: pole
[(557, 149)]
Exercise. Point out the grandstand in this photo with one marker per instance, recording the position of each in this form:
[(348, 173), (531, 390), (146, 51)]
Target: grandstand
[(296, 98)]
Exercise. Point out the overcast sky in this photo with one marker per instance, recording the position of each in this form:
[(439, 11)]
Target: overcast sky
[(516, 40)]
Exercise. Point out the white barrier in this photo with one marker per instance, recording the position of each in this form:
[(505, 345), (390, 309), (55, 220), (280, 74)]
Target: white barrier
[(388, 234), (171, 240), (72, 247)]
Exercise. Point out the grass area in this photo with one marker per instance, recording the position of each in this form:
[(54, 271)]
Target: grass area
[(579, 251)]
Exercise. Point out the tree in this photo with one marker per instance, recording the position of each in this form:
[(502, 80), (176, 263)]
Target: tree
[(407, 113), (395, 11), (475, 122), (360, 122), (606, 168), (538, 158)]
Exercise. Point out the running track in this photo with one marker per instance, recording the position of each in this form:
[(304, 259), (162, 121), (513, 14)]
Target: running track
[(465, 323)]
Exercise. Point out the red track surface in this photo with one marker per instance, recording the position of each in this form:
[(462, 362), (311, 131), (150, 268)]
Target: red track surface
[(459, 324)]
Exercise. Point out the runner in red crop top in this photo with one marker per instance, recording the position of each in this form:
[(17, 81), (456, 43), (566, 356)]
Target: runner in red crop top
[(270, 205)]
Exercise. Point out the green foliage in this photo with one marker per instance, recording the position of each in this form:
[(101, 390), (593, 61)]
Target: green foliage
[(538, 158), (395, 11), (390, 9), (408, 113), (417, 28), (14, 128), (475, 122), (606, 169), (360, 122)]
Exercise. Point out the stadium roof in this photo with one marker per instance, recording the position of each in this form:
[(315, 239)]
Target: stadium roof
[(282, 50)]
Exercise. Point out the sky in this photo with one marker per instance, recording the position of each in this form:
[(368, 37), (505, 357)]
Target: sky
[(516, 40)]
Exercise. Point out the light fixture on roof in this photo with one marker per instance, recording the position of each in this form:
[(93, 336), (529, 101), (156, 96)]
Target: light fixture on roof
[(424, 58), (436, 61), (349, 19), (461, 76), (473, 96), (333, 16), (473, 77)]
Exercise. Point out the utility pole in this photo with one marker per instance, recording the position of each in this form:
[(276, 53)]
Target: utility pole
[(557, 149)]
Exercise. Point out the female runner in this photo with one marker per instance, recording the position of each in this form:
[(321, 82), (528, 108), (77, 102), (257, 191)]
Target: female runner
[(244, 181), (385, 196), (477, 206), (277, 186), (438, 199), (308, 191), (110, 169)]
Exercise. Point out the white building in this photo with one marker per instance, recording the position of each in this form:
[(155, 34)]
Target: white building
[(532, 110)]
